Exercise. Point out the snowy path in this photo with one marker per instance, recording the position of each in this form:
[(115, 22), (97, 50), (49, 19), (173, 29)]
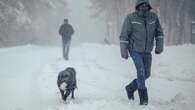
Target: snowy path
[(28, 79)]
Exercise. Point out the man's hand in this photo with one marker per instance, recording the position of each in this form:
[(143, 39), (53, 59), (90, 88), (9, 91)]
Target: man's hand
[(157, 52), (124, 49), (125, 57)]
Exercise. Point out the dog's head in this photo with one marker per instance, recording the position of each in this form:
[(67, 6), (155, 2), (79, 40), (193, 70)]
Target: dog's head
[(70, 69), (68, 75)]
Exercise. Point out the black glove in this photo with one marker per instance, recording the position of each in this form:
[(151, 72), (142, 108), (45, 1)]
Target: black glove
[(125, 57), (157, 52), (124, 50)]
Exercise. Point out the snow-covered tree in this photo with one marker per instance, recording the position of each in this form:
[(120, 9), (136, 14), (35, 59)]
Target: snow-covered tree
[(30, 21)]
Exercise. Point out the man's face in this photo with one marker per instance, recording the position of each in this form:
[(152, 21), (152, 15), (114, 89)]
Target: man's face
[(66, 21), (144, 7)]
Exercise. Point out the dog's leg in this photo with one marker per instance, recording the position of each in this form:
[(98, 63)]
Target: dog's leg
[(62, 93), (72, 94), (66, 95)]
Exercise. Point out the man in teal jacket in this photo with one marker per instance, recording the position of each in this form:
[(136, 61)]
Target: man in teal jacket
[(139, 32)]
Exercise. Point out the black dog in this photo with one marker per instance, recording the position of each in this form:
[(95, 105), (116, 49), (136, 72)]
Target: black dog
[(67, 82)]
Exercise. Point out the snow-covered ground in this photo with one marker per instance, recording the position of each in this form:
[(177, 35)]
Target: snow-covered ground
[(28, 79)]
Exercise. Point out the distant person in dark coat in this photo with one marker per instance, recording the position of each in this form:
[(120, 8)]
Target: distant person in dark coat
[(66, 31)]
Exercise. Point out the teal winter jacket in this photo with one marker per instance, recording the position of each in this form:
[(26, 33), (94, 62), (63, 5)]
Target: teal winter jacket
[(139, 34)]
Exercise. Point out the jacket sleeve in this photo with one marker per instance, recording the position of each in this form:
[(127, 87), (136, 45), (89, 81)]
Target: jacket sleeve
[(60, 30), (159, 37), (125, 32), (72, 30)]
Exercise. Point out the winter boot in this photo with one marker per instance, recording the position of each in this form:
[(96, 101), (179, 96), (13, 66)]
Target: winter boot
[(130, 89), (143, 95), (130, 93)]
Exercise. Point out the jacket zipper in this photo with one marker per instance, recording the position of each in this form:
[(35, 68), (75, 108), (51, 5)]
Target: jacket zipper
[(145, 23)]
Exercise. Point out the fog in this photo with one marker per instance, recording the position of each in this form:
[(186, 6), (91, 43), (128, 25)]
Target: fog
[(37, 21), (87, 29)]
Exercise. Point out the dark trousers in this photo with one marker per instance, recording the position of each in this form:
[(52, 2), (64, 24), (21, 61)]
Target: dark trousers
[(66, 48), (142, 63)]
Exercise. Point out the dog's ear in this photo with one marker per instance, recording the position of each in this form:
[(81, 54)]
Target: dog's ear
[(73, 70), (65, 69), (68, 69)]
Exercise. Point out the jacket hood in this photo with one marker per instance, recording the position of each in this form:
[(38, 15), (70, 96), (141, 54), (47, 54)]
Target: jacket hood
[(139, 2)]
